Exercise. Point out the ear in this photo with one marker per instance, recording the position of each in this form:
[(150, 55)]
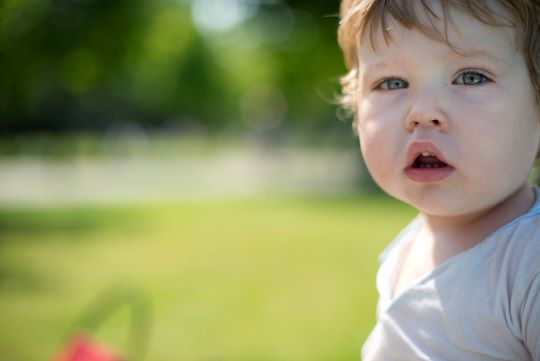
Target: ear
[(355, 125)]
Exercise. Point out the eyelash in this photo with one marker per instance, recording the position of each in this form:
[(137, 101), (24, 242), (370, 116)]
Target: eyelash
[(484, 79), (383, 81)]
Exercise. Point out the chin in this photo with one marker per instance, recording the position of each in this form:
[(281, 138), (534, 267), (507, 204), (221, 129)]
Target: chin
[(444, 211), (440, 205), (454, 207)]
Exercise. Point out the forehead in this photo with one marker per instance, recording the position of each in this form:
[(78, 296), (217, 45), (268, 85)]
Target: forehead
[(460, 34), (448, 21)]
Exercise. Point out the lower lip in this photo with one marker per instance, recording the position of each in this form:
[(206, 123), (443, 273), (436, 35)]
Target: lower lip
[(428, 175)]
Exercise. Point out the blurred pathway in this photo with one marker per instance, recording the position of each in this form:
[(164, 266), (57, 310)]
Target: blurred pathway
[(34, 181)]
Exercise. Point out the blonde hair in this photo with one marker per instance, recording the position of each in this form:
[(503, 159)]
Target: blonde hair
[(361, 18)]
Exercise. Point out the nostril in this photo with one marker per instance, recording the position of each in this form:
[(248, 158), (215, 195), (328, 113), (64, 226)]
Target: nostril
[(436, 122)]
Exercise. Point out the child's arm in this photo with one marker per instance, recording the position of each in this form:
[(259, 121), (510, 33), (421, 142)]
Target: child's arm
[(531, 318)]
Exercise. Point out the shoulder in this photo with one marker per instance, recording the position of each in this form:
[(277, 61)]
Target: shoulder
[(515, 263), (514, 251), (517, 245)]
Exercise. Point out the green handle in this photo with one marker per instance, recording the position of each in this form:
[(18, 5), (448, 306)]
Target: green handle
[(112, 299)]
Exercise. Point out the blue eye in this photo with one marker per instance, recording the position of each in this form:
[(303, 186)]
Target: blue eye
[(471, 78), (392, 84)]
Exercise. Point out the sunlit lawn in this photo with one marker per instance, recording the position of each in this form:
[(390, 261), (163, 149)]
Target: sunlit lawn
[(279, 279)]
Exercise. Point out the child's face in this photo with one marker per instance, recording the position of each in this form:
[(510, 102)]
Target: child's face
[(475, 109)]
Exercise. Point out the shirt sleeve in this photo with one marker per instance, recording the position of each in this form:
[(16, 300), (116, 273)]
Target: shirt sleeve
[(531, 318)]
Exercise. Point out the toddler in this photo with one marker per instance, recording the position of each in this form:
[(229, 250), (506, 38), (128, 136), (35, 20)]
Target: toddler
[(445, 96)]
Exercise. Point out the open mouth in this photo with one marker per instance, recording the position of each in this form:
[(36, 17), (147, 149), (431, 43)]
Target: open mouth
[(426, 163), (428, 160)]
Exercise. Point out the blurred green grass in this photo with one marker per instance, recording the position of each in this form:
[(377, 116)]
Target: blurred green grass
[(270, 279)]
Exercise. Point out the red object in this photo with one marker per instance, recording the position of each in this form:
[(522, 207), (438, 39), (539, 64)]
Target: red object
[(82, 348)]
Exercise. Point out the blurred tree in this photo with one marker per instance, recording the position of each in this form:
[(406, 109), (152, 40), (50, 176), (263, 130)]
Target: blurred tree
[(86, 64), (63, 57)]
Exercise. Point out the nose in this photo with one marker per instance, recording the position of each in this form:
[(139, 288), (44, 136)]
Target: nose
[(426, 110)]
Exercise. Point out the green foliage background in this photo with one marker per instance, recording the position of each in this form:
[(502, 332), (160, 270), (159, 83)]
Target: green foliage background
[(71, 65)]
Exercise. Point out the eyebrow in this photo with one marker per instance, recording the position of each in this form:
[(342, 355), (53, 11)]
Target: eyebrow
[(475, 53), (455, 52), (374, 66)]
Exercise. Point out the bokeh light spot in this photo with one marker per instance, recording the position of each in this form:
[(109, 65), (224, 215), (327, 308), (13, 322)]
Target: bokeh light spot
[(221, 15)]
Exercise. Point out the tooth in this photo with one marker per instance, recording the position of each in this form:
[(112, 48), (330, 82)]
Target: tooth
[(427, 154)]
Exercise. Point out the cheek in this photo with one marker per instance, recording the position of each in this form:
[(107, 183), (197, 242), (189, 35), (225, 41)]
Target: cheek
[(377, 115), (377, 158), (500, 135), (378, 145)]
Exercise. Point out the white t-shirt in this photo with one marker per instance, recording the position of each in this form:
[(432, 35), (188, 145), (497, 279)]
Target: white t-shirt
[(482, 304)]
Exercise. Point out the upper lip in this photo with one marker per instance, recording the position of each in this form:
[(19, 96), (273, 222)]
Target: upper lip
[(417, 147)]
